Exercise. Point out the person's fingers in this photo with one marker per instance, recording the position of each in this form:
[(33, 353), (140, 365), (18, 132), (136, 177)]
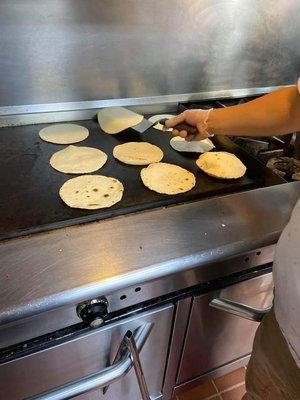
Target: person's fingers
[(183, 134), (170, 123), (198, 136), (190, 138)]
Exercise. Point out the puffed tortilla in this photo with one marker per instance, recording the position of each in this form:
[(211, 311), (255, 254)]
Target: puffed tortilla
[(167, 178), (64, 133), (113, 120), (196, 146), (78, 160), (91, 192), (138, 153), (221, 164)]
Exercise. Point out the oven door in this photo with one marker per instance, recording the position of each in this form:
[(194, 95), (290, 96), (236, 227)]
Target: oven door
[(216, 338), (83, 366)]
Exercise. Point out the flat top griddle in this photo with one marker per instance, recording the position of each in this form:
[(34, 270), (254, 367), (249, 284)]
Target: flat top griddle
[(29, 200)]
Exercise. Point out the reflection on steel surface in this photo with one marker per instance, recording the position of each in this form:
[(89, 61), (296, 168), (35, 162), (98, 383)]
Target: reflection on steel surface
[(87, 50), (89, 351), (192, 236), (131, 345), (81, 110), (239, 309)]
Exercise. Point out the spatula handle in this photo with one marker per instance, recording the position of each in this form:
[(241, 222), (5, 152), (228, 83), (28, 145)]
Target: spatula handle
[(191, 130)]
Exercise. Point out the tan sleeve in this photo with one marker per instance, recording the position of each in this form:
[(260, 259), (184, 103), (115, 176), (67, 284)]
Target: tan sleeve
[(299, 85)]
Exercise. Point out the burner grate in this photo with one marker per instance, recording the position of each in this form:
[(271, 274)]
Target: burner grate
[(287, 167)]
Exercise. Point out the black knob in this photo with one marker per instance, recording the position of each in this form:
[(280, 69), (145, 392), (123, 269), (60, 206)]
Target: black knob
[(93, 312)]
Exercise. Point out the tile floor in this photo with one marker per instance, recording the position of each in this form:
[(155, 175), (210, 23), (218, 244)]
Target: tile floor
[(227, 387)]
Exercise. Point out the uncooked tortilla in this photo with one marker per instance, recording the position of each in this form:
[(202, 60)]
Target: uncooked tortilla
[(138, 153), (91, 192), (64, 133), (78, 160), (221, 164), (113, 120), (167, 178), (159, 117), (196, 146)]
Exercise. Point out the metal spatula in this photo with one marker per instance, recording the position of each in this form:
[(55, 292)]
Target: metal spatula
[(144, 125)]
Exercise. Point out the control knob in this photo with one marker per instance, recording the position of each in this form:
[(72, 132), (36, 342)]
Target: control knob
[(93, 312)]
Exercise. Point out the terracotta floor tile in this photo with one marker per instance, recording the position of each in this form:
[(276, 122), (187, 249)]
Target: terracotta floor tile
[(234, 394), (233, 378), (201, 392)]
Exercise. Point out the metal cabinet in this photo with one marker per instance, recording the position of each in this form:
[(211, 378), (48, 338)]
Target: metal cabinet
[(90, 353), (215, 338)]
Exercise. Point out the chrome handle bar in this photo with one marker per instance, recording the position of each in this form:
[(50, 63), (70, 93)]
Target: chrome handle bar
[(239, 309)]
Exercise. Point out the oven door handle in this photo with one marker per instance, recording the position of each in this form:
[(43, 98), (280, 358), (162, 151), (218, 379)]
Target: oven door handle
[(239, 309), (127, 357)]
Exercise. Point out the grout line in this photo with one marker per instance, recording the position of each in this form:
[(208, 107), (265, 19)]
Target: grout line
[(218, 394), (214, 396), (215, 386), (233, 387)]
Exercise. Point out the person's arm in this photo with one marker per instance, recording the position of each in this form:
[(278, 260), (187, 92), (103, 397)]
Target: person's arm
[(277, 113)]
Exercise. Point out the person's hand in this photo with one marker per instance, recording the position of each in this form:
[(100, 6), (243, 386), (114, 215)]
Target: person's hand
[(195, 118)]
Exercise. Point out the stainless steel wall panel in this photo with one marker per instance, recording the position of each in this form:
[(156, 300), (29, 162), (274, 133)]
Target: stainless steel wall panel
[(77, 50)]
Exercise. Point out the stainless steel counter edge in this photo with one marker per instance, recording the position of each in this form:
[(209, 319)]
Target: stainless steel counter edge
[(50, 270), (71, 111)]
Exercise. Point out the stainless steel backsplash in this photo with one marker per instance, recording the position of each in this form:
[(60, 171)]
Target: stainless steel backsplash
[(55, 51)]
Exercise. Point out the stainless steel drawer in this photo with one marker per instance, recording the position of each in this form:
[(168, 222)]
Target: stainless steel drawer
[(215, 338), (88, 354)]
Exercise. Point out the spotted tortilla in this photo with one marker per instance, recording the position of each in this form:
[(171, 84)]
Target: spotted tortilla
[(91, 192)]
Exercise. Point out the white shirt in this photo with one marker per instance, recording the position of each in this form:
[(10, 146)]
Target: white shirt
[(286, 271)]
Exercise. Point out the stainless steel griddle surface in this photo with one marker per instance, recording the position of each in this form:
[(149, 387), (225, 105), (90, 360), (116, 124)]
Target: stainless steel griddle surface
[(29, 200)]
